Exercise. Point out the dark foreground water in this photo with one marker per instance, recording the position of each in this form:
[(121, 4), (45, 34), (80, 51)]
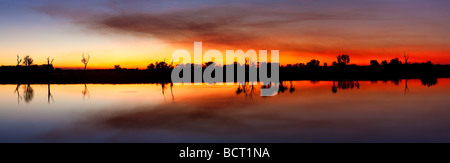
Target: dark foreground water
[(303, 111)]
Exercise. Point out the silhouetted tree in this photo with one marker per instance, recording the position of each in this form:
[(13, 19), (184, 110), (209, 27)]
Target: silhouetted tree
[(27, 61), (85, 60), (207, 64), (49, 62), (162, 65), (19, 60), (151, 66), (395, 61), (343, 59), (406, 57), (117, 67), (384, 62), (313, 63), (374, 63), (299, 65)]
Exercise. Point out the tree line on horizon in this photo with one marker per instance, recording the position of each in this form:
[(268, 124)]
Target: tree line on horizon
[(342, 60), (28, 62)]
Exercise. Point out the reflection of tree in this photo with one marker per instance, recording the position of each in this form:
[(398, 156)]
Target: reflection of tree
[(396, 82), (85, 92), (50, 96), (429, 81), (246, 89), (406, 86), (291, 88), (164, 87), (250, 90), (171, 92), (29, 93), (344, 85), (282, 88), (18, 94)]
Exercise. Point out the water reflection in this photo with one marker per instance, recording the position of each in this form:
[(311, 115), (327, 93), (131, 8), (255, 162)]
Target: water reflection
[(303, 111), (429, 81), (50, 96), (246, 89), (406, 87), (19, 98), (291, 88), (164, 88), (28, 93), (344, 85), (85, 92)]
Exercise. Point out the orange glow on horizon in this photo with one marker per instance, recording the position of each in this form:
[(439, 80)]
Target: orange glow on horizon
[(285, 58)]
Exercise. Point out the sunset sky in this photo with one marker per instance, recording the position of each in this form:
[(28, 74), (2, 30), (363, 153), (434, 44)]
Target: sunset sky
[(134, 33)]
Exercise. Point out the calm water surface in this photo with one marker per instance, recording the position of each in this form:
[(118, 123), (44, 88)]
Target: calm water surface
[(303, 111)]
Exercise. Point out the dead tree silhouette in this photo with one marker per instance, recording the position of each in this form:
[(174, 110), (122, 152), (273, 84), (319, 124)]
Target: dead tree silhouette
[(85, 61), (406, 57), (27, 61), (19, 60), (50, 62), (85, 92), (50, 96)]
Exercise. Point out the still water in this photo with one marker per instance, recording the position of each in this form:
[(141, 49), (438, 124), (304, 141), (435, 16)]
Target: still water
[(303, 111)]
